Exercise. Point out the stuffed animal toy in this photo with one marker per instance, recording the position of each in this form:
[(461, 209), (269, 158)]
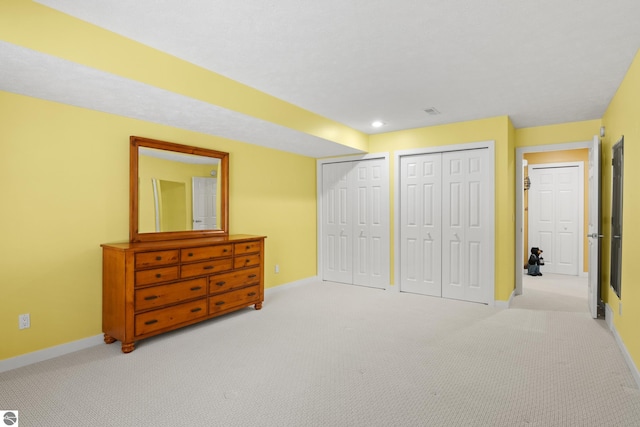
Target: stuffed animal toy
[(535, 261)]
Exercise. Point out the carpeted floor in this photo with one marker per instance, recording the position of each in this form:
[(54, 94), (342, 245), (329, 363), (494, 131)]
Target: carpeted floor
[(326, 354), (555, 292)]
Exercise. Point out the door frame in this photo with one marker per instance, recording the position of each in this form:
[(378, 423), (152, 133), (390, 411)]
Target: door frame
[(581, 218), (520, 152), (490, 145), (319, 205)]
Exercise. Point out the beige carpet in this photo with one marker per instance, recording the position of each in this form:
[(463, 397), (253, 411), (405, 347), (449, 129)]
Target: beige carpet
[(327, 354), (556, 292)]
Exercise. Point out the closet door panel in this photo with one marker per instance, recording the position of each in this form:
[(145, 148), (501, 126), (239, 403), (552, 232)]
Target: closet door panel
[(370, 179), (420, 224), (453, 218), (337, 223), (465, 227)]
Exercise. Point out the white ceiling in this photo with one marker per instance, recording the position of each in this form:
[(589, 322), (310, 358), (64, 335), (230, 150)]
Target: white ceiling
[(540, 62)]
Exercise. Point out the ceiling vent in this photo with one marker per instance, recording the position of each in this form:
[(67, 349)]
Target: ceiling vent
[(431, 111)]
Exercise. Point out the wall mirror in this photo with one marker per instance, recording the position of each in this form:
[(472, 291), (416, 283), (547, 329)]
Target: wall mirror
[(176, 191)]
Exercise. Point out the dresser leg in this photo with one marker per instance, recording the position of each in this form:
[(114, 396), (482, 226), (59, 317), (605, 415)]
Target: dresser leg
[(258, 305), (109, 339), (128, 347)]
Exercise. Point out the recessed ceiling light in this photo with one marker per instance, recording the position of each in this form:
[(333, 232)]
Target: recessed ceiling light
[(377, 124)]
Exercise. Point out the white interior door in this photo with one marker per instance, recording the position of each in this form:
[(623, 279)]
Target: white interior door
[(465, 232), (355, 222), (204, 203), (421, 224), (594, 235), (554, 215)]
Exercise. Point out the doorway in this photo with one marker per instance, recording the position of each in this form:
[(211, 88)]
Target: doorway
[(558, 153)]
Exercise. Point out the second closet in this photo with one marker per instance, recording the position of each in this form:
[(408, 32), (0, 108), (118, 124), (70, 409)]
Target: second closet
[(446, 225)]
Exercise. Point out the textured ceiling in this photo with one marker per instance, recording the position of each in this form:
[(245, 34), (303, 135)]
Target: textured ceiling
[(540, 62)]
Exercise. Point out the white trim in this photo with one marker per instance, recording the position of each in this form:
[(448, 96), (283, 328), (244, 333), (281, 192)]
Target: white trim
[(490, 145), (519, 252), (505, 304), (625, 353), (385, 156), (581, 219), (50, 353), (294, 284)]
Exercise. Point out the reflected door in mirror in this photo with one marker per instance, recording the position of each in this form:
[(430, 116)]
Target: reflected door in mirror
[(204, 203)]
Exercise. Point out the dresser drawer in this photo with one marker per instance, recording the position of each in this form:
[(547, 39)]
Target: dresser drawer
[(248, 260), (247, 247), (160, 295), (244, 296), (156, 275), (170, 316), (156, 259), (205, 252), (224, 282), (207, 267)]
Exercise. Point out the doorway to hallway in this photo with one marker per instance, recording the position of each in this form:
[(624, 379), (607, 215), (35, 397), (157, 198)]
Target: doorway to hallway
[(554, 154)]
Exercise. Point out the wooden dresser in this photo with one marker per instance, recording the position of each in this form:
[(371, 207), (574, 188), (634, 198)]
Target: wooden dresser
[(153, 287)]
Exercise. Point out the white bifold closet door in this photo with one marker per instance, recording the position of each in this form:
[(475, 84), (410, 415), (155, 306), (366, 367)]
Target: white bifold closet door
[(355, 223), (444, 233)]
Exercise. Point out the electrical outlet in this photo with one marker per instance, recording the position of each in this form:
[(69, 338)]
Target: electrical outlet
[(24, 321), (277, 268)]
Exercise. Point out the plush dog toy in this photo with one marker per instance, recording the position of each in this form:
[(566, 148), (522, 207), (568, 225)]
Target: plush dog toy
[(535, 261)]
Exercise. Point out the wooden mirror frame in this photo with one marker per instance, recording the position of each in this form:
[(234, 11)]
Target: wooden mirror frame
[(134, 236)]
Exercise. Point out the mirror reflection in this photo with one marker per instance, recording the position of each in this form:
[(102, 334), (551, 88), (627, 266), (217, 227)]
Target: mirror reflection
[(177, 191)]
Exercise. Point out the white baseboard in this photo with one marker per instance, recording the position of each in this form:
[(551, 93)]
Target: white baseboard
[(49, 353), (290, 285), (505, 304), (608, 316)]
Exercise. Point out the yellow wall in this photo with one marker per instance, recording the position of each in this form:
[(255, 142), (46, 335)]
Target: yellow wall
[(623, 118), (498, 129), (557, 134), (581, 155), (65, 173)]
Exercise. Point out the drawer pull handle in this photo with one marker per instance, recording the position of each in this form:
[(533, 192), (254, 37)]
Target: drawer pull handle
[(251, 294), (150, 322), (195, 310), (196, 288), (224, 250), (247, 247), (151, 297), (251, 276), (158, 258), (158, 275), (208, 267), (219, 302), (190, 254), (246, 261), (221, 283)]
